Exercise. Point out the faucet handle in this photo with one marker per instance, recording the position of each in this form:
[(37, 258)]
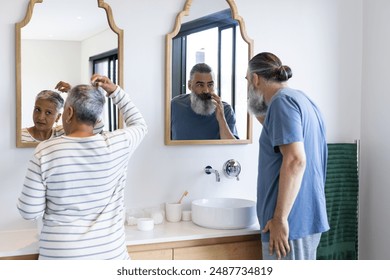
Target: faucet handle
[(232, 168)]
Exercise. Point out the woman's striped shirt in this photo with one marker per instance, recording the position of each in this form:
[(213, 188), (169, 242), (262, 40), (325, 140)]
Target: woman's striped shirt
[(78, 185), (57, 131)]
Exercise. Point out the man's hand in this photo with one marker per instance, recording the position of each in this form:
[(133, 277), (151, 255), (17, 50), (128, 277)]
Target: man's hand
[(224, 130), (278, 240), (219, 110)]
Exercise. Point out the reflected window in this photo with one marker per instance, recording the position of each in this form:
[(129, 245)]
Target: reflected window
[(106, 64), (211, 40)]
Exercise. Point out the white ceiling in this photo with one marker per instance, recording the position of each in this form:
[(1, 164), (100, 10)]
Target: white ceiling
[(71, 20)]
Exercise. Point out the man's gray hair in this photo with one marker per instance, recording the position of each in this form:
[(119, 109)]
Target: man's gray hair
[(270, 67), (87, 102), (53, 97), (201, 68)]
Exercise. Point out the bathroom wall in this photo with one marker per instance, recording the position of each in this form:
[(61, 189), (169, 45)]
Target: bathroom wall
[(97, 44), (44, 65), (41, 57), (375, 151), (320, 40)]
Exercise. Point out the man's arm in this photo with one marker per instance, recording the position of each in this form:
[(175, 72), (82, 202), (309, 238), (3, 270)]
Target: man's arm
[(291, 174), (224, 130)]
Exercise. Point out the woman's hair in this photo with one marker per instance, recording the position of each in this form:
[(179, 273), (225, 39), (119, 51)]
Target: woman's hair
[(87, 102), (51, 96), (270, 67)]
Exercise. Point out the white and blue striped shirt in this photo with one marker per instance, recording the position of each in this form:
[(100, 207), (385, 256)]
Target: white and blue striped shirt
[(78, 185), (57, 131)]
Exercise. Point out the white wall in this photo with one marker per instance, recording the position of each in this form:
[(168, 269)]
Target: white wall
[(43, 66), (320, 40), (95, 45), (375, 186)]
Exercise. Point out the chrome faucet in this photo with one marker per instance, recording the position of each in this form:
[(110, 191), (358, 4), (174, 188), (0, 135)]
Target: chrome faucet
[(232, 169), (208, 170)]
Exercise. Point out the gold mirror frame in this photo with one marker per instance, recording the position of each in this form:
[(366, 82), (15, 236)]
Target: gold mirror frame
[(168, 80), (18, 62)]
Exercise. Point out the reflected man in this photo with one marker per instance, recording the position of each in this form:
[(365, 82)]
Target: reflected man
[(201, 114)]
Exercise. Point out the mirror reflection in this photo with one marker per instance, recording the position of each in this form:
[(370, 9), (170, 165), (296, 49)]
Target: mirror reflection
[(201, 114), (207, 55), (62, 41)]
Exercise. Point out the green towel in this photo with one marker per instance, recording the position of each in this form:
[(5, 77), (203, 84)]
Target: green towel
[(341, 191)]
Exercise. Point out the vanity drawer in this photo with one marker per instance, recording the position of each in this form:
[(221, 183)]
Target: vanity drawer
[(165, 254), (246, 247), (249, 250), (21, 257)]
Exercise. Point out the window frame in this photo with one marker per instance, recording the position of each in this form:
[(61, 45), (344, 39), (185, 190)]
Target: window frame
[(112, 70), (221, 20)]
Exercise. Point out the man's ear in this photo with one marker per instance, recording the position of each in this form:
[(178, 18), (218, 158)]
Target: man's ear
[(255, 79), (189, 85)]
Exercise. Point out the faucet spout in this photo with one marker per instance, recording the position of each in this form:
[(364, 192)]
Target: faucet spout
[(208, 170)]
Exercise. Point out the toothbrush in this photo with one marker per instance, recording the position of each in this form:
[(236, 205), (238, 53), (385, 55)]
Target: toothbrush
[(184, 194)]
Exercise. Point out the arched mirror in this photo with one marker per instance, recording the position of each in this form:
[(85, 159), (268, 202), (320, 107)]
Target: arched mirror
[(65, 40), (210, 32)]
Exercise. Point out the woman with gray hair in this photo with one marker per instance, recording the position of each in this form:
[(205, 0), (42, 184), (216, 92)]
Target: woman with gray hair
[(77, 181), (47, 111)]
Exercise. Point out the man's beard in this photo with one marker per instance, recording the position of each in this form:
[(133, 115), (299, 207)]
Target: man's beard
[(202, 105), (256, 102)]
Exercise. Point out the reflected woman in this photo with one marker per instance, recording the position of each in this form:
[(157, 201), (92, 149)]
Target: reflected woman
[(47, 111)]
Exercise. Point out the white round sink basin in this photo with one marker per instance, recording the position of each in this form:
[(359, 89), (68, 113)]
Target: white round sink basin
[(224, 213)]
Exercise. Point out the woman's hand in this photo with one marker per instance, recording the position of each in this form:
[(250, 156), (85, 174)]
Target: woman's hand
[(63, 86), (103, 82)]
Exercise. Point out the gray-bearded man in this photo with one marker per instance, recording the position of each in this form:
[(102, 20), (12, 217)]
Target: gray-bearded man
[(202, 115)]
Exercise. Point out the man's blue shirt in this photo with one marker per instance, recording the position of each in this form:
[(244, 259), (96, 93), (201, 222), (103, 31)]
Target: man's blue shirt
[(293, 117), (188, 125)]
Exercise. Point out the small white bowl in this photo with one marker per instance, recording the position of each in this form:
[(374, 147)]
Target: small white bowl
[(145, 224), (186, 215)]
